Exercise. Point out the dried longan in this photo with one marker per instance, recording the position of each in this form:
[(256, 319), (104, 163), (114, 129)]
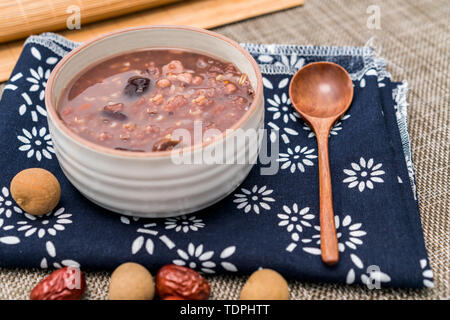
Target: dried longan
[(131, 281), (36, 190), (265, 284)]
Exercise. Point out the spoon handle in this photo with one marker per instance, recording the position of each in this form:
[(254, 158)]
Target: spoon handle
[(328, 239)]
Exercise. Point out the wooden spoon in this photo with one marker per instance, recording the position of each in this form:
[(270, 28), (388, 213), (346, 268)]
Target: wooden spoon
[(322, 92)]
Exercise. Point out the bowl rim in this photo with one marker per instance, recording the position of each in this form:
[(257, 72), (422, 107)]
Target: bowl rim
[(57, 121)]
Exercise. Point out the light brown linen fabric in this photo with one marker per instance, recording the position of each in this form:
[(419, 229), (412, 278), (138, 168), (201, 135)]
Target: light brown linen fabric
[(415, 39)]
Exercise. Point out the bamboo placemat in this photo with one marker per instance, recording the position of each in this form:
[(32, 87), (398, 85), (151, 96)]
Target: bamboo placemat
[(198, 13)]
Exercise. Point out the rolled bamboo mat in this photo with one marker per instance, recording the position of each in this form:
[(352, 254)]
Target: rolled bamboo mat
[(20, 18), (197, 13)]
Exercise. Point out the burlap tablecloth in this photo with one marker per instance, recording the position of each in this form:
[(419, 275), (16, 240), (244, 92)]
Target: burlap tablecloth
[(415, 39)]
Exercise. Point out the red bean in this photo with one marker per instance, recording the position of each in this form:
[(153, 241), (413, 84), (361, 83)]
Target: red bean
[(113, 112), (165, 144), (137, 85), (117, 107)]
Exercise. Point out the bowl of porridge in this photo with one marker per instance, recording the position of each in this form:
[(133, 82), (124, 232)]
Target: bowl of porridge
[(156, 121)]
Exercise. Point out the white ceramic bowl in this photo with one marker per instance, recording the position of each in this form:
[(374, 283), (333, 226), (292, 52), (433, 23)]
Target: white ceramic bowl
[(150, 184)]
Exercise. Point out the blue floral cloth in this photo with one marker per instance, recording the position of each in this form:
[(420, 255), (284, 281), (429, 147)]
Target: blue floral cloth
[(270, 221)]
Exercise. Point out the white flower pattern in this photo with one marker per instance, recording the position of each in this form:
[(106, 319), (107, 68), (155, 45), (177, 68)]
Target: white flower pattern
[(28, 105), (38, 80), (294, 62), (294, 220), (138, 243), (364, 174), (7, 204), (297, 159), (146, 233), (10, 240), (284, 132), (10, 85), (7, 207), (290, 63), (349, 235), (47, 224), (36, 143), (372, 278), (4, 226), (265, 58), (427, 274), (254, 199), (198, 259), (376, 276), (184, 223), (51, 252), (283, 83), (282, 108)]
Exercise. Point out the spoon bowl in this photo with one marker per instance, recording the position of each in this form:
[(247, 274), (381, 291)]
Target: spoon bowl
[(322, 92)]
